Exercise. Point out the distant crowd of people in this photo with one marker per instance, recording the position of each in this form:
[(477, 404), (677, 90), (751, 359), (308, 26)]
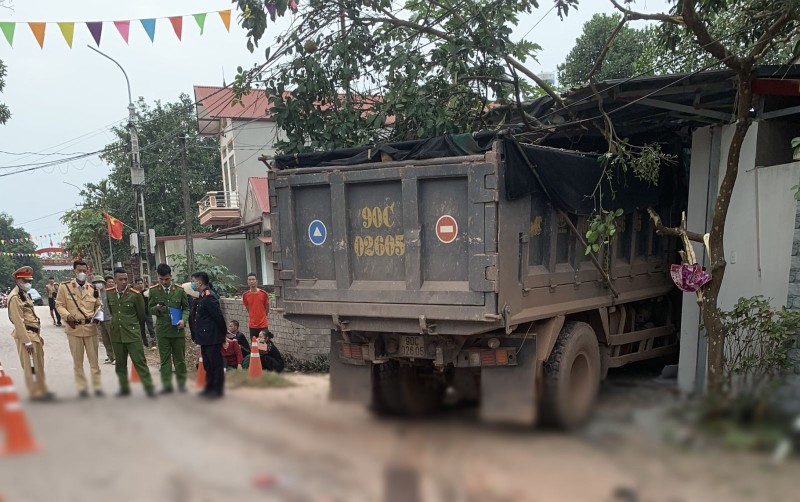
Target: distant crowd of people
[(108, 309)]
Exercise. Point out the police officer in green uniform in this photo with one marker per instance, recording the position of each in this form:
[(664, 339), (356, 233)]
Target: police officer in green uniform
[(171, 337), (127, 311)]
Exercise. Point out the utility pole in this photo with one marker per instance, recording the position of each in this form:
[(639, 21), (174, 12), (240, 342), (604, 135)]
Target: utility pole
[(187, 206), (137, 179)]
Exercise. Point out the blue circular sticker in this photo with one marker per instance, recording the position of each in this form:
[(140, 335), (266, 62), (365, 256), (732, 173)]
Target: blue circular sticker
[(317, 233)]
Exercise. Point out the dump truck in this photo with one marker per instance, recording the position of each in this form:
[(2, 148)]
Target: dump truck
[(457, 266)]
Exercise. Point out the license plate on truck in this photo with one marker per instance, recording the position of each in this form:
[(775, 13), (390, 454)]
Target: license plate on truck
[(413, 346)]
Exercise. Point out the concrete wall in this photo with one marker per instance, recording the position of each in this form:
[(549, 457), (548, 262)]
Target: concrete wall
[(229, 252), (290, 338), (790, 394), (267, 273), (759, 232), (251, 139)]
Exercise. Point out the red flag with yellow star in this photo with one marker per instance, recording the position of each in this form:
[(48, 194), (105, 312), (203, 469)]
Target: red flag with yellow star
[(114, 227)]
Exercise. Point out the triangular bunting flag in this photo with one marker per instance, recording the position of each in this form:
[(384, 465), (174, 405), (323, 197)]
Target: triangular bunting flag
[(225, 15), (96, 29), (201, 21), (38, 32), (68, 30), (149, 26), (8, 31), (177, 25), (124, 29)]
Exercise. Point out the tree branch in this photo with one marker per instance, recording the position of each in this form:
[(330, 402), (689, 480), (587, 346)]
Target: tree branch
[(766, 41), (672, 231), (599, 61), (394, 20), (641, 16), (706, 41)]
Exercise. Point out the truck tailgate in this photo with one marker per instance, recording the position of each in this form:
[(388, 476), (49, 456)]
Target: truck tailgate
[(413, 233)]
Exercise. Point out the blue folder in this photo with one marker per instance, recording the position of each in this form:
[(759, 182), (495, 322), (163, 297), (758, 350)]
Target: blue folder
[(176, 315)]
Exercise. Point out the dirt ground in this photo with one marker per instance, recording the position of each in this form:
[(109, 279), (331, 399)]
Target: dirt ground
[(293, 444)]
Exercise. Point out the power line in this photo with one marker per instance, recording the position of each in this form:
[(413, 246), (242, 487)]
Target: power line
[(43, 217)]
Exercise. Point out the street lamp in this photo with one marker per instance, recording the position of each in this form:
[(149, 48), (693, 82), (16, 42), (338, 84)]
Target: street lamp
[(137, 175)]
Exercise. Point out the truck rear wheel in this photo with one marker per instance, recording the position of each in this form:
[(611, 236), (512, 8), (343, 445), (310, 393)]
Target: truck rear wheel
[(404, 390), (571, 377)]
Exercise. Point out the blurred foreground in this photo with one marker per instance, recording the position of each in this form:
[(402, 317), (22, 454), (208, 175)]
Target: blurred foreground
[(292, 444)]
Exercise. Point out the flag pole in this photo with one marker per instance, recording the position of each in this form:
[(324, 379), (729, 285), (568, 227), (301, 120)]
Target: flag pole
[(111, 252)]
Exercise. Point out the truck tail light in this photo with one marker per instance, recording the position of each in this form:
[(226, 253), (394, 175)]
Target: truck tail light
[(352, 351), (487, 358), (501, 356)]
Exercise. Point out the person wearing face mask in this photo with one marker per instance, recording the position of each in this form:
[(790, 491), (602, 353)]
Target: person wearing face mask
[(207, 325), (27, 335), (78, 302), (104, 328)]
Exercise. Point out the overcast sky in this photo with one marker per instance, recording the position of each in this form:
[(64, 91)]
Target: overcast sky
[(65, 100)]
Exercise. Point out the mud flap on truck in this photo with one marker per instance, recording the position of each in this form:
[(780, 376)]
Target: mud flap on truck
[(508, 393), (348, 382)]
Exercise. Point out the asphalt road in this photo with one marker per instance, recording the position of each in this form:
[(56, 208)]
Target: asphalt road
[(293, 444)]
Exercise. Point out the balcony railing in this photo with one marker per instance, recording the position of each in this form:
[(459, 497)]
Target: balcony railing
[(221, 200), (219, 208)]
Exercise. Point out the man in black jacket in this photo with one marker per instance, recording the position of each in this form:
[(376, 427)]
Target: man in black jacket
[(235, 334), (208, 330)]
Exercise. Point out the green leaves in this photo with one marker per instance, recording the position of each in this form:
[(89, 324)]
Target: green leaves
[(388, 73), (225, 283), (8, 264), (602, 228), (5, 114)]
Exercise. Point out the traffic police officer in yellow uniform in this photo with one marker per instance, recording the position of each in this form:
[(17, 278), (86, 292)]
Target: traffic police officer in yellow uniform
[(127, 312), (78, 302), (27, 335)]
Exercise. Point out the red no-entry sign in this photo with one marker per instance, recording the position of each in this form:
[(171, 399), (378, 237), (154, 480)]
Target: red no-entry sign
[(446, 229)]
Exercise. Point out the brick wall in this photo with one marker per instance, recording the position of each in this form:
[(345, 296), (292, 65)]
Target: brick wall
[(290, 338), (790, 395)]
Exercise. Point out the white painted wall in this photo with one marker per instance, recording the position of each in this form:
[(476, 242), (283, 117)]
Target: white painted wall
[(250, 140), (267, 276), (229, 252), (760, 222)]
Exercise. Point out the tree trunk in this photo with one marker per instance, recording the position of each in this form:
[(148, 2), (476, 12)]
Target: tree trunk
[(711, 319)]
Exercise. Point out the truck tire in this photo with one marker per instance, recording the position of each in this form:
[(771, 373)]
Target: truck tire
[(571, 377), (406, 391)]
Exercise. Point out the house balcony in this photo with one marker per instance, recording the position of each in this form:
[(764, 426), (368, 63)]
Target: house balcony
[(219, 208)]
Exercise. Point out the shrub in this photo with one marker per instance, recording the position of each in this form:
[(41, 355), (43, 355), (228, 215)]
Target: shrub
[(319, 364), (757, 343)]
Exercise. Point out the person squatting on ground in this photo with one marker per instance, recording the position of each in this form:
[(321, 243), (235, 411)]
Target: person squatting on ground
[(164, 299), (207, 325), (127, 309), (52, 290), (78, 303), (27, 335), (103, 285), (256, 301), (232, 351), (271, 358), (234, 333)]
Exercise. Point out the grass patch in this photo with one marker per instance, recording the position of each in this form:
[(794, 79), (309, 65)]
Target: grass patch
[(269, 379), (319, 364), (761, 436)]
